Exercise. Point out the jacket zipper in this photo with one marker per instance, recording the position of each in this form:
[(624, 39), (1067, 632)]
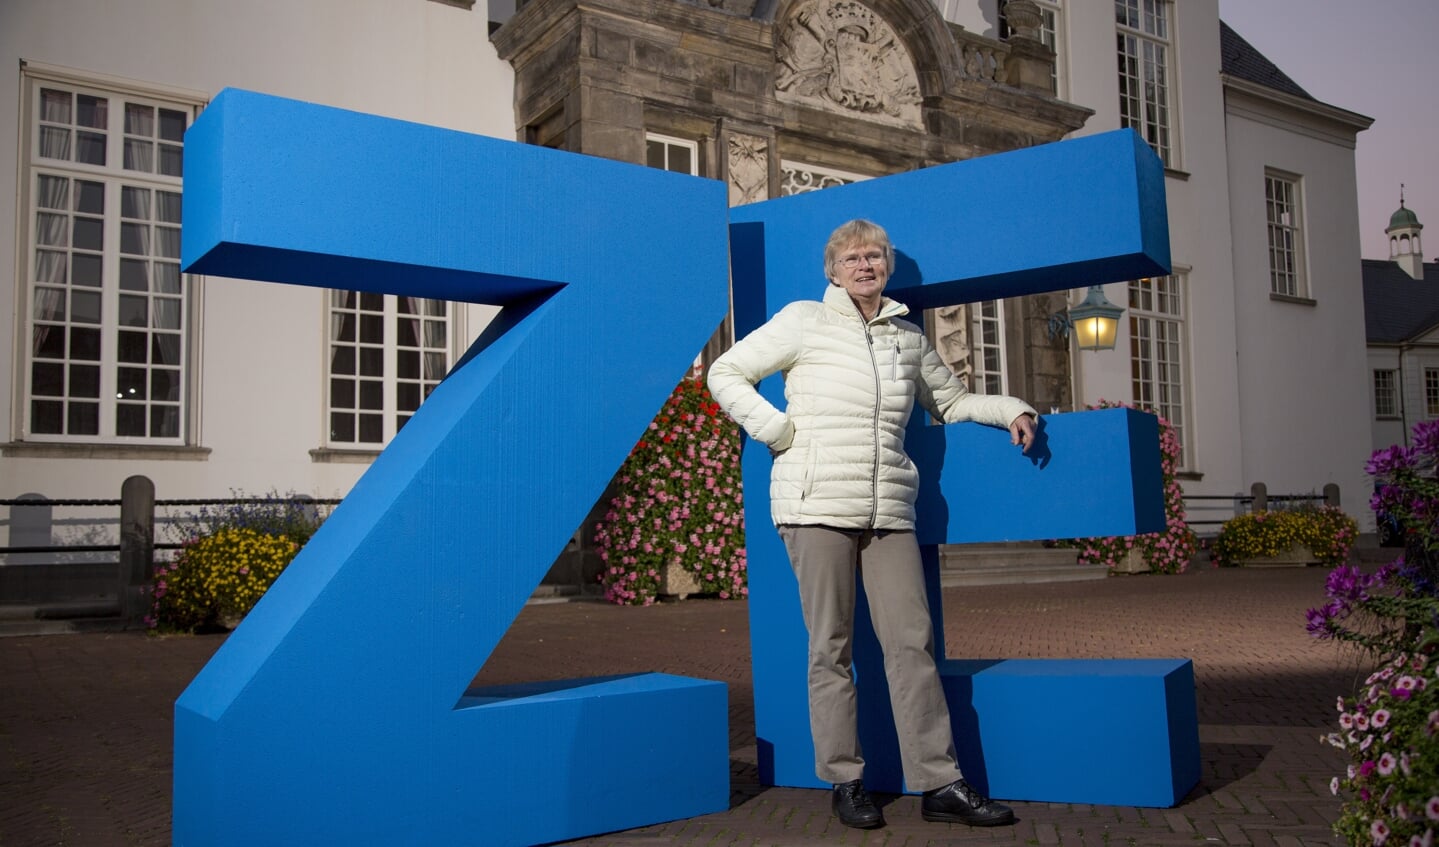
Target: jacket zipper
[(878, 400)]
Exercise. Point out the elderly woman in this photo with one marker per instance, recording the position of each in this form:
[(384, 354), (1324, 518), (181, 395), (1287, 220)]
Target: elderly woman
[(842, 494)]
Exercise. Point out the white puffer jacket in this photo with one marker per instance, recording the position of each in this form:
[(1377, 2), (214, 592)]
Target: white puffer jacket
[(849, 388)]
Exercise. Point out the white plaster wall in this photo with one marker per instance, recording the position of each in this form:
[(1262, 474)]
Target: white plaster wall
[(1302, 368), (1197, 195), (262, 347)]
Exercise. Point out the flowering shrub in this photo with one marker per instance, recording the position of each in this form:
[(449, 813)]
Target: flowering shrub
[(1326, 530), (228, 558), (217, 578), (1166, 552), (678, 503), (1390, 728)]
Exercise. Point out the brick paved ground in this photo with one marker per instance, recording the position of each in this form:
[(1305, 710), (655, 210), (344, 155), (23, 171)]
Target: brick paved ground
[(85, 720)]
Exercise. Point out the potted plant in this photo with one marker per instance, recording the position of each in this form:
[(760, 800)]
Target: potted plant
[(1295, 537)]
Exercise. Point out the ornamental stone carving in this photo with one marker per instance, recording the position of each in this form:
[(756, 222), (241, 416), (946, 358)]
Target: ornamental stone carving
[(748, 169), (841, 56)]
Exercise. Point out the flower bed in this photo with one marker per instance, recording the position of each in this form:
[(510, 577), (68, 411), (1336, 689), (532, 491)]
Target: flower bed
[(1325, 531), (678, 503), (1390, 727)]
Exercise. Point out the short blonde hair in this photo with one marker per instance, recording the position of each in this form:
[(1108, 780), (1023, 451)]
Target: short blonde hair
[(852, 234)]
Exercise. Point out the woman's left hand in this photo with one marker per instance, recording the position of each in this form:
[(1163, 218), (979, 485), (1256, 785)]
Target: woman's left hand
[(1021, 431)]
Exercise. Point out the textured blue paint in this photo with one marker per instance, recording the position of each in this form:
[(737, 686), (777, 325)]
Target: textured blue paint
[(1053, 217), (1104, 731), (337, 712)]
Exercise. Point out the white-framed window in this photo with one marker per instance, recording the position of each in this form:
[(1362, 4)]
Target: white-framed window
[(1386, 394), (107, 318), (1431, 392), (986, 347), (672, 154), (386, 354), (1144, 40), (1284, 223), (1156, 351)]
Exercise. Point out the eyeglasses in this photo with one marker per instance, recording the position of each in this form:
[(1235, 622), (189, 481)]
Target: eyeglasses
[(849, 263)]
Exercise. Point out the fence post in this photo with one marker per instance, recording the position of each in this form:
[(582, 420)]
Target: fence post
[(1260, 492), (137, 545), (1331, 494)]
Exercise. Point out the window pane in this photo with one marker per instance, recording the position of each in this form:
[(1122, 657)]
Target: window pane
[(55, 143), (53, 192), (48, 342), (342, 393), (89, 197), (371, 429), (90, 148), (85, 270), (50, 267), (134, 311), (84, 381), (372, 361), (172, 160), (342, 427), (372, 394), (85, 307), (83, 419), (172, 125), (89, 234), (167, 207), (407, 364), (50, 304), (47, 379), (164, 384), (135, 239), (167, 277), (165, 348), (55, 106), (139, 155), (132, 347), (85, 344), (372, 329), (166, 313), (134, 275), (46, 417), (342, 360), (130, 383), (164, 421), (92, 111), (130, 419), (139, 119)]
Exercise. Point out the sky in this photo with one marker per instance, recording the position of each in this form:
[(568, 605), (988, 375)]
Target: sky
[(1377, 58)]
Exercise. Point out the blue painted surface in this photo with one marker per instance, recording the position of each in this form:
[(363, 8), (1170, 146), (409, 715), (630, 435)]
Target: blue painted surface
[(1059, 216), (337, 712), (1103, 731)]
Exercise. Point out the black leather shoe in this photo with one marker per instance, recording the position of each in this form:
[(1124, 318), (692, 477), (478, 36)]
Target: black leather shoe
[(853, 807), (959, 803)]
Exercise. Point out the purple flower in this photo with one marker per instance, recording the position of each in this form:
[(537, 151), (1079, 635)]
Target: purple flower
[(1389, 460), (1426, 437)]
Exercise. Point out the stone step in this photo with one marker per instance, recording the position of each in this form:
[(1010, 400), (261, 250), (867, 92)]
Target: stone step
[(1011, 564)]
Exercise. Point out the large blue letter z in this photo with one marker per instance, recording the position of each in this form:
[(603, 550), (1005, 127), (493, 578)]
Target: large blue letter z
[(338, 712)]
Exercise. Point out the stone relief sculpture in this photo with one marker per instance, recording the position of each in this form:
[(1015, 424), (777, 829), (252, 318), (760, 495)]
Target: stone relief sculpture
[(748, 169), (841, 56), (951, 325)]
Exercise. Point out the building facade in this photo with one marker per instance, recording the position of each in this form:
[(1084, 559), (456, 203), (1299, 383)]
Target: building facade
[(115, 364)]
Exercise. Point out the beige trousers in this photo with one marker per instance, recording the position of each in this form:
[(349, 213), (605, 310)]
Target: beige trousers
[(826, 562)]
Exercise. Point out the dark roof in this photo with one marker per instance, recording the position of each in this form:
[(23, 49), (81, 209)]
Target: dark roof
[(1398, 307), (1238, 58)]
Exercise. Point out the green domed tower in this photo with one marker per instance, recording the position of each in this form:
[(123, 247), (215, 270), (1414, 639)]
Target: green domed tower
[(1404, 245)]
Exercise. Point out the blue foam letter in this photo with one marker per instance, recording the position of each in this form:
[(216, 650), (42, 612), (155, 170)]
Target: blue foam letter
[(337, 712)]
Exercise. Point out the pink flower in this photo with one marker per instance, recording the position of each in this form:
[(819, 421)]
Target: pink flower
[(1379, 831), (1431, 808)]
